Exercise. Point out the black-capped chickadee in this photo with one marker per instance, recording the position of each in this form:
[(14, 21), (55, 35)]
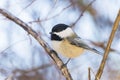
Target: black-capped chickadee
[(65, 41)]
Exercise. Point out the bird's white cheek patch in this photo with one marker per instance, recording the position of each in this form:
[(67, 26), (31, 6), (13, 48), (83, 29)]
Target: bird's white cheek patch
[(65, 33)]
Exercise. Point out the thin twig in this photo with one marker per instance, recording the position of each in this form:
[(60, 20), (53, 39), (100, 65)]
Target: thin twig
[(10, 77), (2, 52), (46, 47), (51, 10), (33, 69), (115, 26), (83, 12), (27, 6), (89, 74), (48, 18)]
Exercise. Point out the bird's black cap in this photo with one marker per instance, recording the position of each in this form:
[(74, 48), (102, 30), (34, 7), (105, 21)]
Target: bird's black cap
[(59, 27)]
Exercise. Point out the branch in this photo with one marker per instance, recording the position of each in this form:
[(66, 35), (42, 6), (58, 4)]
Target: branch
[(83, 12), (48, 18), (115, 26), (89, 74), (10, 77), (46, 47)]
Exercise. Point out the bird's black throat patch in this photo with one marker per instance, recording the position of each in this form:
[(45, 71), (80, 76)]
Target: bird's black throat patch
[(56, 37)]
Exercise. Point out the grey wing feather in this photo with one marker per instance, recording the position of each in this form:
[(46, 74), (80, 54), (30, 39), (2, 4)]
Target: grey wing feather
[(80, 43)]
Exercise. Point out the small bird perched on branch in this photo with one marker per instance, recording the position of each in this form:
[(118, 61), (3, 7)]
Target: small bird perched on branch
[(65, 41)]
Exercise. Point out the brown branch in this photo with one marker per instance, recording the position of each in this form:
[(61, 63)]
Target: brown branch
[(48, 18), (10, 77), (83, 12), (46, 47), (3, 51), (115, 26), (27, 6), (89, 74), (33, 69)]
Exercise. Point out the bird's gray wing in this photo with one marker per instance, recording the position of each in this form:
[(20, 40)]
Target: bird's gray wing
[(77, 41)]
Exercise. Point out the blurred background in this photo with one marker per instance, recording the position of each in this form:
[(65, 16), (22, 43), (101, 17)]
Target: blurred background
[(22, 58)]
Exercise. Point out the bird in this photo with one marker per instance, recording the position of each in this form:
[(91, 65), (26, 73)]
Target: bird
[(65, 41)]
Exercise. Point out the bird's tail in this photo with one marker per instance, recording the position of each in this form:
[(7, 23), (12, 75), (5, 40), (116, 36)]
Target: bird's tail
[(96, 51)]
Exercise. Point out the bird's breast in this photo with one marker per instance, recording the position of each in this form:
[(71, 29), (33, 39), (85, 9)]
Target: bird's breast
[(67, 49)]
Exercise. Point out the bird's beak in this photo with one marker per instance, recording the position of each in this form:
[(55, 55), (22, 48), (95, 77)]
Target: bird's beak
[(50, 32)]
